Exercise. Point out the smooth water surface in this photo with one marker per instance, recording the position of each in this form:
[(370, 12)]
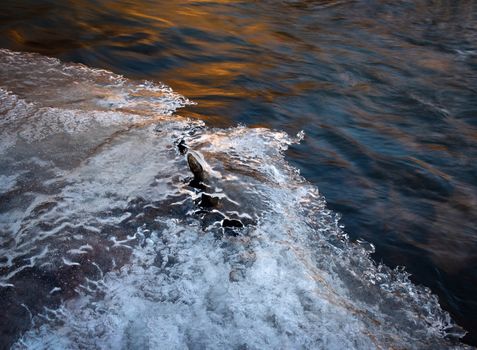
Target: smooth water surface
[(386, 93)]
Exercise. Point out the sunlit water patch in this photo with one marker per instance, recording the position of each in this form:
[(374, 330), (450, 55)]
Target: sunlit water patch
[(108, 240)]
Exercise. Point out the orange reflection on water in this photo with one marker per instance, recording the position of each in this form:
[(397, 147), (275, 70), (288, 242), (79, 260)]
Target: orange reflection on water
[(384, 91)]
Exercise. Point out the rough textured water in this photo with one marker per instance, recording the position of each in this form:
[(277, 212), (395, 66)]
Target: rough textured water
[(105, 244), (385, 92)]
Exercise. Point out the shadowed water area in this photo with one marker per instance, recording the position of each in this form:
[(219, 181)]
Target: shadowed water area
[(385, 91)]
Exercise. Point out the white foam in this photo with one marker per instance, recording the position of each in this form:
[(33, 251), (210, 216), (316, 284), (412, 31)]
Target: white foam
[(115, 183), (289, 282)]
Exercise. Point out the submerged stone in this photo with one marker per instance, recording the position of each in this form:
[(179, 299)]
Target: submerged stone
[(236, 275), (232, 223), (208, 200)]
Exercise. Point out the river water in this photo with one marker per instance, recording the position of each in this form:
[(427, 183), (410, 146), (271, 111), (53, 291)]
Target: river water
[(104, 239)]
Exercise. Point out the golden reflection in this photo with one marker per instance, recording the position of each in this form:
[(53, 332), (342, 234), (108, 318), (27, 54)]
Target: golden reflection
[(198, 79), (17, 36), (371, 89)]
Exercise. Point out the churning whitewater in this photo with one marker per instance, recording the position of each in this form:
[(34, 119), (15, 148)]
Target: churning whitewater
[(108, 240)]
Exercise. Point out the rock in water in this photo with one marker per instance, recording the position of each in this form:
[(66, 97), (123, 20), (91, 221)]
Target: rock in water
[(195, 166), (232, 223), (182, 147), (208, 200)]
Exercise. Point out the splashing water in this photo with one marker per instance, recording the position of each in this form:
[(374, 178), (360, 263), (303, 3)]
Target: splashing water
[(105, 242)]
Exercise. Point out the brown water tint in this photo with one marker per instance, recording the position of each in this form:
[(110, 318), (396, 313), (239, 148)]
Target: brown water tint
[(385, 91)]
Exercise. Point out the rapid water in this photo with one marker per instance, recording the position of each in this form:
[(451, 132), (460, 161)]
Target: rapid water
[(106, 243)]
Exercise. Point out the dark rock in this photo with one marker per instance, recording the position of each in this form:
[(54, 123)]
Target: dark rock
[(198, 184), (182, 147), (208, 200), (195, 167), (232, 223)]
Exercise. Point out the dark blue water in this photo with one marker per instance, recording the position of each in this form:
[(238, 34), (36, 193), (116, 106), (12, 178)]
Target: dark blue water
[(386, 93)]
